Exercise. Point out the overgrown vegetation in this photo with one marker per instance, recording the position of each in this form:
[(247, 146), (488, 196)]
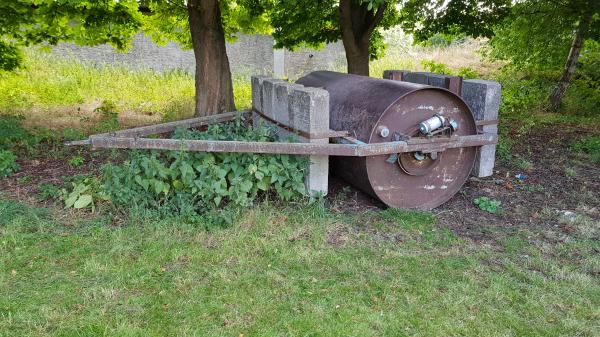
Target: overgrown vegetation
[(191, 183), (66, 93), (83, 193), (8, 163), (487, 204), (590, 146)]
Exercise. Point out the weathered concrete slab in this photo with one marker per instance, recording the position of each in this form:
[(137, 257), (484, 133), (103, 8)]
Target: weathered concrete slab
[(268, 96), (257, 98), (452, 83), (281, 107), (415, 77), (301, 108), (309, 109), (483, 98), (309, 112), (395, 75)]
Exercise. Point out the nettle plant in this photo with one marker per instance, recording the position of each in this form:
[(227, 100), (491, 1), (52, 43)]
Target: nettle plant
[(8, 163), (205, 181), (489, 205)]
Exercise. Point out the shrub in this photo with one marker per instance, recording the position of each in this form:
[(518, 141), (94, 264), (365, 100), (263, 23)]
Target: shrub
[(109, 120), (14, 137), (48, 191), (436, 67), (76, 161), (8, 163), (589, 145), (198, 182)]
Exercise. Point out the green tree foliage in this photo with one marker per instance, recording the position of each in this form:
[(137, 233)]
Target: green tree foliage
[(26, 22), (475, 18), (538, 33), (358, 23), (168, 20), (10, 56), (312, 23), (551, 35), (203, 25)]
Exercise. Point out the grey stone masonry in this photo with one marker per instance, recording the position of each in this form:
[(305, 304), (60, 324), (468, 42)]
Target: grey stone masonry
[(395, 75), (269, 104), (482, 97), (301, 108), (256, 82)]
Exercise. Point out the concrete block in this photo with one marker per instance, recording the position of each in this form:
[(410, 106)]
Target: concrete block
[(309, 112), (317, 180), (420, 78), (452, 83), (281, 108), (309, 109), (268, 96), (257, 99), (301, 108), (395, 75), (483, 98)]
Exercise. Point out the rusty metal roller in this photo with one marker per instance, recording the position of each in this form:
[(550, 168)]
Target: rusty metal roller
[(378, 110)]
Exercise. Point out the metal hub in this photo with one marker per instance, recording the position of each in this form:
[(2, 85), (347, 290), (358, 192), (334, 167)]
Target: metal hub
[(417, 163)]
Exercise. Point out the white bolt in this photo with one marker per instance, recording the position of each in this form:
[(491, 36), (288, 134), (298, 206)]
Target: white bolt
[(383, 131)]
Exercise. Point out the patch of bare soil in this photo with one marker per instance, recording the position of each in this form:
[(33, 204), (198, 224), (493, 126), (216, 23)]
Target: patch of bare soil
[(50, 166)]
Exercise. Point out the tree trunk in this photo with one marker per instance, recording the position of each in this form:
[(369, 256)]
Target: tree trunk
[(571, 65), (214, 89), (357, 23), (357, 57)]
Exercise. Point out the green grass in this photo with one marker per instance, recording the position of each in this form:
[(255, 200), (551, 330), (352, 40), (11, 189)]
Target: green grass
[(284, 272), (48, 83), (52, 88)]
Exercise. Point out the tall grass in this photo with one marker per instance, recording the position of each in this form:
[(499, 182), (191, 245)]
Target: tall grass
[(56, 92), (402, 54)]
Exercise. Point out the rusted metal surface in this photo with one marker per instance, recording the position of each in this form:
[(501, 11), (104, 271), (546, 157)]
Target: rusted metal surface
[(362, 104), (171, 126), (341, 149), (487, 122)]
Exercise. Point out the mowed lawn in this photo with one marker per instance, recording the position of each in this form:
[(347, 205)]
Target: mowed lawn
[(295, 271)]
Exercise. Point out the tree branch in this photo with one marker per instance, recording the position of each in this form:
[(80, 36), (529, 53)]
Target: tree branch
[(375, 20)]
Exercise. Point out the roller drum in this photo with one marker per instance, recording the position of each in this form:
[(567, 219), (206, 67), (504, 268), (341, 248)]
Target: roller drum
[(378, 110)]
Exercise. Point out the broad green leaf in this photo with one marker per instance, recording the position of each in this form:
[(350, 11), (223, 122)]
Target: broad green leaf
[(83, 201)]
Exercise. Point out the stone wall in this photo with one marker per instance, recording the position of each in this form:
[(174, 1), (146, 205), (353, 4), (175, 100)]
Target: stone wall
[(304, 60), (249, 54)]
